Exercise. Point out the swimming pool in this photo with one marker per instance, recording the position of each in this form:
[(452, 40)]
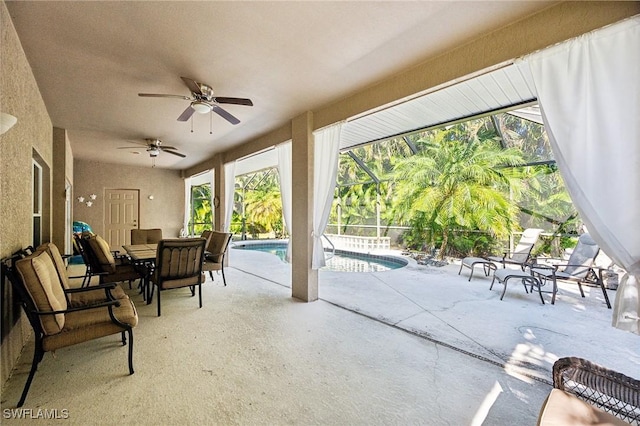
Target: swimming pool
[(343, 261)]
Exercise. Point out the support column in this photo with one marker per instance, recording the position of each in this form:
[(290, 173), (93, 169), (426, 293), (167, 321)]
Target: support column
[(218, 192), (304, 280)]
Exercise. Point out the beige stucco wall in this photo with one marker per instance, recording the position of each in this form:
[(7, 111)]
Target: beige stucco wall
[(165, 211), (62, 155), (19, 96)]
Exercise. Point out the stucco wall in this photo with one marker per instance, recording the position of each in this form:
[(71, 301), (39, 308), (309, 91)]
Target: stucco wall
[(62, 155), (19, 96), (165, 211)]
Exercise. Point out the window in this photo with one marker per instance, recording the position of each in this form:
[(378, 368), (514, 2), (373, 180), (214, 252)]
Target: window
[(201, 217)]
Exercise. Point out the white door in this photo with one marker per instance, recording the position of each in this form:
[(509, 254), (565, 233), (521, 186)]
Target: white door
[(120, 216)]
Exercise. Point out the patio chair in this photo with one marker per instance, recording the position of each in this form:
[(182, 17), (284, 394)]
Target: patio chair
[(215, 254), (577, 269), (55, 322), (103, 263), (146, 236), (179, 264), (520, 256), (74, 297), (605, 389)]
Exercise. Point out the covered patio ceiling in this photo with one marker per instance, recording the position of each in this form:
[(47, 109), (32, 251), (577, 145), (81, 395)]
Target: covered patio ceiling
[(506, 87), (91, 59)]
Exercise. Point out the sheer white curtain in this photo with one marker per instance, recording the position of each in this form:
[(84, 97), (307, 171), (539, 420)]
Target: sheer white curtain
[(229, 190), (187, 207), (284, 170), (589, 94), (212, 182), (325, 170)]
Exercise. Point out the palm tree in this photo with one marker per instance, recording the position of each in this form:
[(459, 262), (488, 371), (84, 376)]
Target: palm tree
[(260, 202), (458, 181), (201, 212)]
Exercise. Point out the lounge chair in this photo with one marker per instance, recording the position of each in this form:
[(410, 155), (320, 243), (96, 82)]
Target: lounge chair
[(578, 269), (520, 256)]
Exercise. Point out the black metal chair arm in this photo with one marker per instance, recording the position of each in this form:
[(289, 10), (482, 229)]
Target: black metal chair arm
[(109, 286), (105, 304)]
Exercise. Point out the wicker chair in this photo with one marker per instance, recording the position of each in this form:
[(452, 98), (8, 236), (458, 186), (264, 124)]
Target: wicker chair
[(605, 389)]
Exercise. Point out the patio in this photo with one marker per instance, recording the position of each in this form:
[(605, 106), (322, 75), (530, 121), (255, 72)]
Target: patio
[(416, 345), (436, 303)]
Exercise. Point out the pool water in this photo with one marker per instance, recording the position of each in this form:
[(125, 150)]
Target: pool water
[(342, 261)]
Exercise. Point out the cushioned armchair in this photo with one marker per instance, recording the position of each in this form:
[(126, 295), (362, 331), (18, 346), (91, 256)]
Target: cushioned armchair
[(179, 264), (74, 297), (146, 236), (103, 263), (56, 322), (216, 251)]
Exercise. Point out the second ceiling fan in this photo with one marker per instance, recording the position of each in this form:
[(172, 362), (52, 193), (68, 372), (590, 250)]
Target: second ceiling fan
[(203, 101)]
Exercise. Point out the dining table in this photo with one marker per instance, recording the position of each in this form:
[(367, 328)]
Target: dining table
[(143, 257)]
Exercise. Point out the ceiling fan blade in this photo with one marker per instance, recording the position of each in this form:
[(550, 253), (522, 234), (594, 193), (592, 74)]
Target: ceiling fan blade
[(129, 147), (234, 101), (186, 114), (192, 85), (224, 114), (167, 147), (159, 95), (174, 153)]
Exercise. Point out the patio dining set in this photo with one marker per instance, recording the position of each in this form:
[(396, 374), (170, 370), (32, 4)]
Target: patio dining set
[(535, 273)]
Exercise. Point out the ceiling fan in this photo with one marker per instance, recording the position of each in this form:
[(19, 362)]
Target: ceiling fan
[(203, 101), (155, 147)]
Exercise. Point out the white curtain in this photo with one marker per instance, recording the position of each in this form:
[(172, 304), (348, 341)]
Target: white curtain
[(187, 207), (589, 94), (229, 190), (286, 188), (212, 182), (325, 170)]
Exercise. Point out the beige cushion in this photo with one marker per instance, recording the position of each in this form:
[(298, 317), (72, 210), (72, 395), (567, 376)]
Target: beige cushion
[(80, 298), (177, 263), (58, 262), (103, 253), (146, 236), (97, 295), (91, 324), (41, 281), (217, 246), (561, 409)]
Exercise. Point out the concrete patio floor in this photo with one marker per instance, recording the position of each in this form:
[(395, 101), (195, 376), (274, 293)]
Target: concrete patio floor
[(416, 345), (519, 332)]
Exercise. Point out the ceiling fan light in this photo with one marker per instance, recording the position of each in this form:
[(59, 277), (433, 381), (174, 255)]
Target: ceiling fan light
[(201, 107), (153, 152)]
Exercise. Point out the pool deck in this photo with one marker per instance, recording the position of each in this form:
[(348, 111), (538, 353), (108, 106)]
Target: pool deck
[(519, 332)]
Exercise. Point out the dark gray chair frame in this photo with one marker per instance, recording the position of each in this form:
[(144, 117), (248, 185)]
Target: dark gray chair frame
[(33, 314), (174, 269), (214, 256)]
